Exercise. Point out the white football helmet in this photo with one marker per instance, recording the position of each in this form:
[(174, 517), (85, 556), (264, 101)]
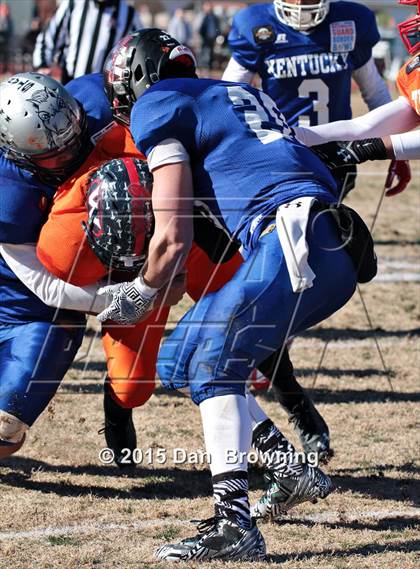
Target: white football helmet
[(302, 17), (42, 127)]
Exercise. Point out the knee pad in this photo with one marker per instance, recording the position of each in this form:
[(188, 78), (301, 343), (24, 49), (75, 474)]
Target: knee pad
[(12, 429)]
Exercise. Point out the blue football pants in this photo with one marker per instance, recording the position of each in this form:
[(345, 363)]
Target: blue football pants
[(34, 358), (224, 336)]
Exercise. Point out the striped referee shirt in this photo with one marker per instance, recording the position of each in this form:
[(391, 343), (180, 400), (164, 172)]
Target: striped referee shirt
[(81, 33)]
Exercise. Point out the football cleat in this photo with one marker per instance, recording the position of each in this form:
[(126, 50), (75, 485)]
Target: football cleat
[(217, 538), (285, 493), (313, 431), (119, 431)]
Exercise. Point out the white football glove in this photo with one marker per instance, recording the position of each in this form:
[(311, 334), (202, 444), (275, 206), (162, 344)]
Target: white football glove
[(130, 301)]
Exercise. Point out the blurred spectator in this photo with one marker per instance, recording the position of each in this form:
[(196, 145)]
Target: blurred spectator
[(80, 35), (179, 28), (5, 35), (209, 30), (29, 39)]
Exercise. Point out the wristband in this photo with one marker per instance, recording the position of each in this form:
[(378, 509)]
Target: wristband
[(369, 149), (144, 289)]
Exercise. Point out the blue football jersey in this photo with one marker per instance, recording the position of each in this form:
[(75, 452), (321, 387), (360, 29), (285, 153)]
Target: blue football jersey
[(245, 160), (89, 90), (25, 202), (307, 74)]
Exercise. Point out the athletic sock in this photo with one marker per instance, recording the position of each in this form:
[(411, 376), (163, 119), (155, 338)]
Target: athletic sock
[(230, 491), (256, 413), (114, 412), (277, 453), (227, 432)]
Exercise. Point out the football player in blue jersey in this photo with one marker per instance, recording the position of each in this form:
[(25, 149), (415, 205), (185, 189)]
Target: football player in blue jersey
[(228, 145), (312, 429), (29, 293), (306, 53), (44, 137)]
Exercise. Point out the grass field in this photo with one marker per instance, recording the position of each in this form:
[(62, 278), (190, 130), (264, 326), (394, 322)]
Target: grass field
[(60, 507)]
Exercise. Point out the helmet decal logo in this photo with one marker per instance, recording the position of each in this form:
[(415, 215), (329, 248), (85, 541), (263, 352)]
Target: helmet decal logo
[(181, 50), (94, 205), (52, 111), (22, 84)]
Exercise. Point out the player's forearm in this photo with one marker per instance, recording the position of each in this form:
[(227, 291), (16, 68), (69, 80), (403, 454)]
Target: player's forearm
[(394, 118), (51, 290), (236, 73), (172, 201), (373, 88), (165, 261)]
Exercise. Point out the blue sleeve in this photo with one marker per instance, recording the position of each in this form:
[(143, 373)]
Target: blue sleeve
[(90, 92), (367, 36), (244, 51), (23, 210), (164, 113), (24, 204)]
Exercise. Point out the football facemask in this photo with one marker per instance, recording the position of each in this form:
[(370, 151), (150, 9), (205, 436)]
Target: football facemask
[(302, 17), (410, 29)]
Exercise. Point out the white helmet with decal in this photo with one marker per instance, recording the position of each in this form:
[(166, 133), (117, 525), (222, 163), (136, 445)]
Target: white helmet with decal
[(302, 17)]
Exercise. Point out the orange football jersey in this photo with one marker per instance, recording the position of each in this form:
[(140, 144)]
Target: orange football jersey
[(62, 246), (408, 82)]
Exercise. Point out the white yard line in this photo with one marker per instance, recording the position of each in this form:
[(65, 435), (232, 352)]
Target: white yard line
[(399, 277), (323, 517), (350, 344)]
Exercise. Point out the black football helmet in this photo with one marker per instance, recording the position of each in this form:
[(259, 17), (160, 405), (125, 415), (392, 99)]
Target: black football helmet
[(137, 62), (120, 222)]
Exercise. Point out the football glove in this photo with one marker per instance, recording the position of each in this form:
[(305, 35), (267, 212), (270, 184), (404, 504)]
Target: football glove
[(131, 301), (399, 172), (338, 154)]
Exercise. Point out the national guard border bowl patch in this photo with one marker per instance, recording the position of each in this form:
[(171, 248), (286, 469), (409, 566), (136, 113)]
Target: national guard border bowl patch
[(343, 36), (413, 65), (264, 34)]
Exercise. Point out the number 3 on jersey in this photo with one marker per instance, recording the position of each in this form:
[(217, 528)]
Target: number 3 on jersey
[(318, 91)]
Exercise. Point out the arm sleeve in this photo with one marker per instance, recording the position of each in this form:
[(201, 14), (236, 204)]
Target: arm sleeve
[(160, 115), (23, 261), (394, 118), (169, 151), (406, 146), (235, 72), (47, 42), (372, 87)]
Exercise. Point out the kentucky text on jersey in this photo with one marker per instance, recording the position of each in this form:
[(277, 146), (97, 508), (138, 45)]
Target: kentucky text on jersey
[(307, 74), (306, 65)]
